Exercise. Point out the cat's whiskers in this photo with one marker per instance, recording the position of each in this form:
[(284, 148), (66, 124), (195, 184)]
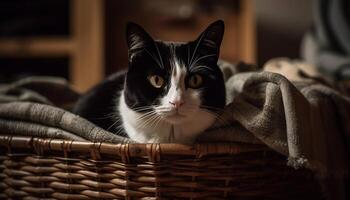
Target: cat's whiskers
[(145, 115), (163, 109), (148, 121), (195, 50), (160, 57), (153, 122), (145, 108), (201, 68), (140, 109), (113, 124), (145, 123), (119, 129), (200, 58), (158, 121), (112, 115)]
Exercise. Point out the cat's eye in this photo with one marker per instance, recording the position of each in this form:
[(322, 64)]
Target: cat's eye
[(195, 81), (156, 81)]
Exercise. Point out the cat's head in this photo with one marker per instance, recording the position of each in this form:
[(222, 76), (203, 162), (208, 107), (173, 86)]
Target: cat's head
[(176, 81)]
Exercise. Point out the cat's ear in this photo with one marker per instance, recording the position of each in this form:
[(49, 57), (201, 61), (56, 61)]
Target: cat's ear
[(211, 37), (137, 38)]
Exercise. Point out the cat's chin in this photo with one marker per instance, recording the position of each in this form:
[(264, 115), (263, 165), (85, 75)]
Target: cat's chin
[(175, 118)]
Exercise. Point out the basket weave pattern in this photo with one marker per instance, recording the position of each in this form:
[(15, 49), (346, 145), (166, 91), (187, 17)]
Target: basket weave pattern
[(33, 168)]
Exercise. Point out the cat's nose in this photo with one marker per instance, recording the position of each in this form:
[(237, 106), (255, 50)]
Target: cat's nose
[(177, 104)]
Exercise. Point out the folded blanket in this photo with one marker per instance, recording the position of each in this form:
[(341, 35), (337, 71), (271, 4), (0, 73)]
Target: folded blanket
[(305, 120), (30, 107)]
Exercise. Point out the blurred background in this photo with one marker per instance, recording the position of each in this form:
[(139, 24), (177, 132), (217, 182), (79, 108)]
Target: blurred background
[(84, 40)]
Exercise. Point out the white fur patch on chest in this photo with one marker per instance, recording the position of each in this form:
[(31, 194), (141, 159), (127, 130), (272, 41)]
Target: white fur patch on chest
[(140, 128)]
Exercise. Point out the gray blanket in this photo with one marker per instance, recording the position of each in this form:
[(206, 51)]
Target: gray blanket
[(38, 106), (306, 121)]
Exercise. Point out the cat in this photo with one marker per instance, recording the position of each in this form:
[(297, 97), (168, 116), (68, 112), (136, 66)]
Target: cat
[(171, 92)]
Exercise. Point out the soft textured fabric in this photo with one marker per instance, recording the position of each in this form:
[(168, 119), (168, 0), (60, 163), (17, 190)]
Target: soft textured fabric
[(30, 107), (304, 120)]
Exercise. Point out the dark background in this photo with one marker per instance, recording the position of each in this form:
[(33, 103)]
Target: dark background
[(276, 29)]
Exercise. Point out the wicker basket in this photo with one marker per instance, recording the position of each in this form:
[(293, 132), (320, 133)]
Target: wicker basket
[(34, 168)]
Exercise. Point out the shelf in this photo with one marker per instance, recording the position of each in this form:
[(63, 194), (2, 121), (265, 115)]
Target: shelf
[(84, 46), (36, 47)]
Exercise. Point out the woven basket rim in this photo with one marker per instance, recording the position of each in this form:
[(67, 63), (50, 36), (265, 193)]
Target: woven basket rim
[(71, 169), (128, 149)]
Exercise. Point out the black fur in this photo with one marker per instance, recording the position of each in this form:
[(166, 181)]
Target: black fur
[(150, 57), (99, 103)]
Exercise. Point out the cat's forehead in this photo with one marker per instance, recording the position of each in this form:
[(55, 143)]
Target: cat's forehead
[(173, 53), (171, 47), (171, 43)]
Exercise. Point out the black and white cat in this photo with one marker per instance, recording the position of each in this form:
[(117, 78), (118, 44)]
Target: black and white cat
[(170, 93)]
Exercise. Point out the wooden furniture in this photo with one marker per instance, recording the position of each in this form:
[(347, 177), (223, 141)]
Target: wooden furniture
[(247, 32), (96, 46), (84, 47)]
